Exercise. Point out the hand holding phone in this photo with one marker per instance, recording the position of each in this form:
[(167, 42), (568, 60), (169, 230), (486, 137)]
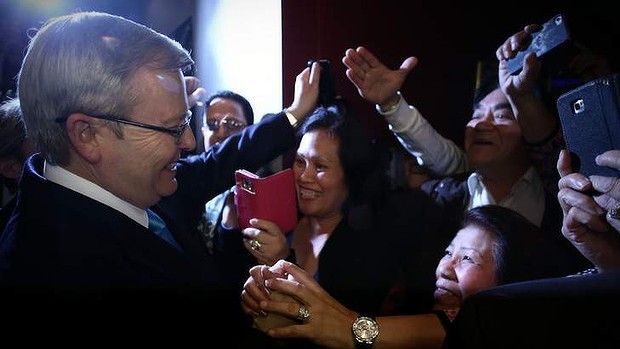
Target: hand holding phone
[(552, 38), (327, 87)]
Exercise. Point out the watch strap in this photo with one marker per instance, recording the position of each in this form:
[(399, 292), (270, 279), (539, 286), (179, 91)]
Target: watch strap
[(362, 345)]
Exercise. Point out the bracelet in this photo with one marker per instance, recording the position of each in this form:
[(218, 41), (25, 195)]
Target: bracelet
[(291, 118), (389, 108)]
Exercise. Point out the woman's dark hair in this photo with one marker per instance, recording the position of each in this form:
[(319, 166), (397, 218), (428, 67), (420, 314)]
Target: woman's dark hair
[(521, 250), (363, 161), (233, 96)]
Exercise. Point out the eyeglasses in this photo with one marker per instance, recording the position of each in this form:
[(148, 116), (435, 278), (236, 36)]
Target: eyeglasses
[(229, 123), (176, 132)]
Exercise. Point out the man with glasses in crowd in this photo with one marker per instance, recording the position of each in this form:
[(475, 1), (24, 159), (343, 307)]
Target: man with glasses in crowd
[(226, 113), (105, 102)]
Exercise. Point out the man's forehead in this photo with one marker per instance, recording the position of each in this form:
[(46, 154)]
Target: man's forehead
[(495, 100)]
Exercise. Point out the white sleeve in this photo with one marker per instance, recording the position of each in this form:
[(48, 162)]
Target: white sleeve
[(439, 154)]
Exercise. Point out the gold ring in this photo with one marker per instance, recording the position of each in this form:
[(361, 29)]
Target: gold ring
[(304, 314), (614, 213), (254, 244)]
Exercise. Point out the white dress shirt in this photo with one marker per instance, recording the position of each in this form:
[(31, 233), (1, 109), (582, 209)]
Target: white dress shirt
[(527, 196), (87, 188)]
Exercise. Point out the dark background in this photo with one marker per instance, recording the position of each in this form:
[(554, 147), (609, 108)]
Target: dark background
[(449, 38)]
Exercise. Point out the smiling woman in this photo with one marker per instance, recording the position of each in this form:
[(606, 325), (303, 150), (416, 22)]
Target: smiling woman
[(495, 246)]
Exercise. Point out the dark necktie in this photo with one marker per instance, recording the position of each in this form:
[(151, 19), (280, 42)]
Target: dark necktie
[(157, 226)]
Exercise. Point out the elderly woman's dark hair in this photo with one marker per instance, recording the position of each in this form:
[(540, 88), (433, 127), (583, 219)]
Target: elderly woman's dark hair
[(12, 139), (522, 251), (233, 96), (12, 130), (363, 160)]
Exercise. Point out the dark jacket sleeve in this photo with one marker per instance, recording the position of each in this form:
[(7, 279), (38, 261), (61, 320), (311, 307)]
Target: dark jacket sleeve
[(565, 312), (202, 177)]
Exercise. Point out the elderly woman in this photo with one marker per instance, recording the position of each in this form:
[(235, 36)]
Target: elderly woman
[(494, 246)]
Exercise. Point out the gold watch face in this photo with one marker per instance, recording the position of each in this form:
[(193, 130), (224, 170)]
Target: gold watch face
[(365, 329)]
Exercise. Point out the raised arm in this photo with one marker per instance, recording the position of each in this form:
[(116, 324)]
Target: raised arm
[(380, 85), (536, 121)]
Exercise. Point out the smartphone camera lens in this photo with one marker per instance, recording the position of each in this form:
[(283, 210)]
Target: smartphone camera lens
[(578, 106)]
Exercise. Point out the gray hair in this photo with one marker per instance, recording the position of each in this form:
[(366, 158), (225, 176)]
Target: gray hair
[(85, 63)]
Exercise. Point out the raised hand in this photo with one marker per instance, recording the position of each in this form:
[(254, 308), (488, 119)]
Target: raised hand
[(195, 93), (525, 81), (374, 81), (306, 92)]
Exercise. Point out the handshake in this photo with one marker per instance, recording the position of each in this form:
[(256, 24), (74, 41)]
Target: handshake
[(266, 321)]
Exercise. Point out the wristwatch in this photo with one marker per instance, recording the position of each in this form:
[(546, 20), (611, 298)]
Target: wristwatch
[(365, 330)]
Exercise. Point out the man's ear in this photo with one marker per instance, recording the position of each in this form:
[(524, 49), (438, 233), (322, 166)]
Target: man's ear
[(11, 168), (82, 134)]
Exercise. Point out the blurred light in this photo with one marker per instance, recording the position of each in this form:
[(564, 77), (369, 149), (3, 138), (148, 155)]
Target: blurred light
[(239, 48), (43, 8)]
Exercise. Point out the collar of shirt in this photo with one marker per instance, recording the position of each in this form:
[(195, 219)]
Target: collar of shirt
[(527, 196), (87, 188)]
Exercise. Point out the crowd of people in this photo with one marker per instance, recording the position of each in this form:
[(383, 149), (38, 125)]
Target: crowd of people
[(113, 219)]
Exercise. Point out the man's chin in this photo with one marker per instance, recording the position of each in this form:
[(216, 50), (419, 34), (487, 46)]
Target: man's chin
[(169, 188), (481, 161)]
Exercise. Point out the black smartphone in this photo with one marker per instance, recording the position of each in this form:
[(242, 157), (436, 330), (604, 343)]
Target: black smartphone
[(327, 87), (590, 118), (552, 38)]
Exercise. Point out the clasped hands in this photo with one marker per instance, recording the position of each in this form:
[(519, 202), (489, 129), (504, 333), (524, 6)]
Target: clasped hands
[(288, 279)]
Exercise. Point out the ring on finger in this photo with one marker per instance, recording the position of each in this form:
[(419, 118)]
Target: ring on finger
[(303, 315), (614, 213), (254, 244)]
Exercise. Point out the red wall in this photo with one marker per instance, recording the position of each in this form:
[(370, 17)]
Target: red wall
[(447, 37)]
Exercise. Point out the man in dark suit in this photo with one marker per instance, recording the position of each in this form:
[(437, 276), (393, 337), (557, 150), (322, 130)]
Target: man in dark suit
[(105, 101)]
